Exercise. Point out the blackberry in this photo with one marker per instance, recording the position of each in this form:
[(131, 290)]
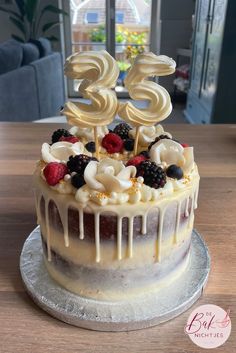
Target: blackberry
[(77, 180), (158, 138), (153, 175), (59, 133), (79, 163), (175, 172), (122, 130), (144, 153), (129, 144), (90, 146)]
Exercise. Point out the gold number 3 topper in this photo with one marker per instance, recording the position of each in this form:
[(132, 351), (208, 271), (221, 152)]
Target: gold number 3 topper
[(99, 72)]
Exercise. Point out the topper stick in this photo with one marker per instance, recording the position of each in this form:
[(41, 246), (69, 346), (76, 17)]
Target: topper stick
[(136, 140), (96, 141)]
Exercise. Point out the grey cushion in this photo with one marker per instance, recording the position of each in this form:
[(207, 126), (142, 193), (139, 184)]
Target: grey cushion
[(18, 95), (50, 84), (46, 45), (11, 55), (30, 53)]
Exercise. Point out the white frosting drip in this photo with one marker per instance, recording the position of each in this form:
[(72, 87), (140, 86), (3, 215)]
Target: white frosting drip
[(146, 65), (99, 72), (147, 134), (61, 151)]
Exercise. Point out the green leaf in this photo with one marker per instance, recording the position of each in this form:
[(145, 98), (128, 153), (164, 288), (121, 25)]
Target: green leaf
[(30, 9), (50, 25), (21, 6), (10, 12), (19, 39), (19, 24), (54, 9), (52, 38)]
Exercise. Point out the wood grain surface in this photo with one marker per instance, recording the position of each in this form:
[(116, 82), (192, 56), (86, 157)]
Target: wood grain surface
[(25, 328)]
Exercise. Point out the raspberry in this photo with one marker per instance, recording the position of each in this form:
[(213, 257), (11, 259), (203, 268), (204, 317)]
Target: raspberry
[(129, 144), (184, 145), (77, 181), (175, 172), (54, 172), (158, 138), (58, 134), (153, 175), (112, 143), (71, 139), (90, 146), (122, 130), (136, 160), (79, 163)]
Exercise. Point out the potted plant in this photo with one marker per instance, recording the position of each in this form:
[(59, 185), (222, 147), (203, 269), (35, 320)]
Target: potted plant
[(98, 35), (27, 18), (123, 66)]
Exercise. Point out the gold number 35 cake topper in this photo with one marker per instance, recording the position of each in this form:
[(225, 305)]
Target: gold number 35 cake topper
[(99, 72)]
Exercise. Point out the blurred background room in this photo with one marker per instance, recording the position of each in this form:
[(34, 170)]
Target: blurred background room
[(36, 36)]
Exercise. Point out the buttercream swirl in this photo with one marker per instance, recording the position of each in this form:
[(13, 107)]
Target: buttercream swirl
[(148, 134), (99, 72), (169, 152), (61, 151), (146, 65)]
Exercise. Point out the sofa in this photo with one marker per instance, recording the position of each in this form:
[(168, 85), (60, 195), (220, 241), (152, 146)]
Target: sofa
[(31, 81)]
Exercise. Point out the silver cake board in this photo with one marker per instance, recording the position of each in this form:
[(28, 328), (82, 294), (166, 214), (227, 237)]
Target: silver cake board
[(132, 314)]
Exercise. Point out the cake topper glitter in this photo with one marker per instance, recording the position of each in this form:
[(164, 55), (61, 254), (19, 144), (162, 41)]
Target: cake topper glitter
[(140, 88), (99, 72)]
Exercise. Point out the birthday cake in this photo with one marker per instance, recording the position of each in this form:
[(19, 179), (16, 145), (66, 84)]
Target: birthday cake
[(116, 206)]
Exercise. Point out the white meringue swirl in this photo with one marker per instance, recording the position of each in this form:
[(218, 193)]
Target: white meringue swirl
[(148, 134)]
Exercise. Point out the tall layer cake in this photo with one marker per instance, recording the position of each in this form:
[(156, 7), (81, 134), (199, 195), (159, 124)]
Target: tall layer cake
[(115, 207)]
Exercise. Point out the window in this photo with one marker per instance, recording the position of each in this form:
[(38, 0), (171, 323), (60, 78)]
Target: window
[(119, 17), (91, 17)]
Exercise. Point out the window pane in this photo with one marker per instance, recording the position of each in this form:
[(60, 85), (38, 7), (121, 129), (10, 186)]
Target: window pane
[(132, 34), (88, 26)]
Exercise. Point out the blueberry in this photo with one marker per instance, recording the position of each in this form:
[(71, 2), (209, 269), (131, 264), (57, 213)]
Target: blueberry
[(90, 146), (77, 180), (129, 144), (175, 172)]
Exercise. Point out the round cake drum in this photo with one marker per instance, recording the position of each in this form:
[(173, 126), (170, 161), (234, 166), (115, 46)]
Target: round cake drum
[(133, 314)]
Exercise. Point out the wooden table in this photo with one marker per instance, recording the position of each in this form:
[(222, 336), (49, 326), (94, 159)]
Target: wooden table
[(25, 328)]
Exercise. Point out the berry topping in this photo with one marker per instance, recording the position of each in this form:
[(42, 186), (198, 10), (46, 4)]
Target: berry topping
[(158, 138), (129, 144), (79, 163), (144, 153), (54, 172), (58, 134), (122, 130), (136, 160), (112, 143), (71, 139), (77, 180), (90, 146), (175, 172), (184, 145), (153, 175)]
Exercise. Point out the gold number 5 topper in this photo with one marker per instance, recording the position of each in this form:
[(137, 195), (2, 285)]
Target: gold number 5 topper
[(99, 72), (145, 66)]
